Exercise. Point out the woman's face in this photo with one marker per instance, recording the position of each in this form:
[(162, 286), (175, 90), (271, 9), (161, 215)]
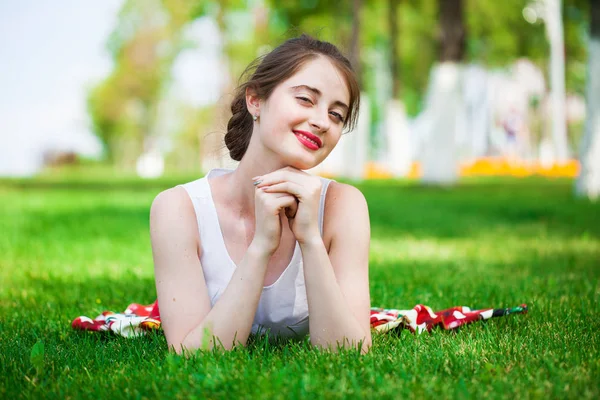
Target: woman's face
[(302, 120)]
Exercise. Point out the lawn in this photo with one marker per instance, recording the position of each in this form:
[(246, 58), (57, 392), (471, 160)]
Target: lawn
[(77, 246)]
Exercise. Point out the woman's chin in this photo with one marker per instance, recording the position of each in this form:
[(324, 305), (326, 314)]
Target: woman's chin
[(302, 164)]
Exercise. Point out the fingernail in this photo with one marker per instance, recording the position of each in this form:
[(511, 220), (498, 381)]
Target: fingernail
[(257, 182)]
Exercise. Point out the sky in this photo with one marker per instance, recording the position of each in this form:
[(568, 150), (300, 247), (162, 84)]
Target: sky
[(50, 54)]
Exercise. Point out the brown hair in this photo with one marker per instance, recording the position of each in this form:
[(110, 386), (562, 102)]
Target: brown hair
[(272, 69)]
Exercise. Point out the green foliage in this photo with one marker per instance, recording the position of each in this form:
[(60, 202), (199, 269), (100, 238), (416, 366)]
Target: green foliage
[(418, 44), (144, 45), (74, 245), (576, 22), (498, 34)]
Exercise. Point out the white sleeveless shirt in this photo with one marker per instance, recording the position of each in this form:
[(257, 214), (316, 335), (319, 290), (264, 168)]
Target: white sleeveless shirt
[(283, 306)]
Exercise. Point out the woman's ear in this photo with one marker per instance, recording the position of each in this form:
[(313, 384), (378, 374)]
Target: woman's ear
[(252, 101)]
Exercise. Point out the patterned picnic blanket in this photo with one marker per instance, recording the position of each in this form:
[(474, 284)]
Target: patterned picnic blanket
[(138, 319)]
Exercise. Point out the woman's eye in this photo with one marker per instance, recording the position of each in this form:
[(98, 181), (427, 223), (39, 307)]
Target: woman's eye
[(338, 116), (304, 99)]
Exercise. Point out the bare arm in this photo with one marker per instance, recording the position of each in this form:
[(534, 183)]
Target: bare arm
[(337, 284), (187, 318), (186, 314), (337, 281)]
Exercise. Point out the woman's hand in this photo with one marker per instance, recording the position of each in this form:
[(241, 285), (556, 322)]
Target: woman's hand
[(268, 208), (306, 189)]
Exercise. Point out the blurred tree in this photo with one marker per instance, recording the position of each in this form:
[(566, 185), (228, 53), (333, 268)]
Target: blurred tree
[(143, 46), (452, 30), (355, 39), (576, 15), (417, 49), (445, 105), (588, 183), (553, 21), (122, 106), (499, 34), (245, 29), (394, 57)]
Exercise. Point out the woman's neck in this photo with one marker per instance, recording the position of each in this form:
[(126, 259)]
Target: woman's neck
[(238, 186)]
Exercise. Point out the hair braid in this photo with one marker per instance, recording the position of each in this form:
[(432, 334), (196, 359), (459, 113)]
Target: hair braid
[(239, 127)]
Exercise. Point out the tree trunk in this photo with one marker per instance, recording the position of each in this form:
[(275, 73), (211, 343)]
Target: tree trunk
[(588, 183), (445, 110), (555, 32), (394, 61), (355, 39), (452, 30)]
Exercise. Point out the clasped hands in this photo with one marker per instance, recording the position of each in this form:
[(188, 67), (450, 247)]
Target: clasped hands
[(294, 192)]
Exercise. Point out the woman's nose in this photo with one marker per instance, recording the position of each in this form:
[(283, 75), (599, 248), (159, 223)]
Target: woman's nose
[(320, 121)]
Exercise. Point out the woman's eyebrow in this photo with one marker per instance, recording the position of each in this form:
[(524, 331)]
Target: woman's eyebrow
[(317, 92)]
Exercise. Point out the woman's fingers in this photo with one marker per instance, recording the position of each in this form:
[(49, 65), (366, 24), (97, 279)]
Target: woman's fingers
[(304, 187), (292, 181), (291, 210), (284, 187), (287, 174), (289, 204), (280, 201)]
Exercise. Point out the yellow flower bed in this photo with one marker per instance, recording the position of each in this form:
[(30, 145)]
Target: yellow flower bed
[(488, 166)]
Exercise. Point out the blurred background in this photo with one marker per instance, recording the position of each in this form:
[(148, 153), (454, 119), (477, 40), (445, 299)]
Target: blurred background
[(450, 88)]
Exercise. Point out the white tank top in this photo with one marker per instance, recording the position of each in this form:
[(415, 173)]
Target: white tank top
[(283, 307)]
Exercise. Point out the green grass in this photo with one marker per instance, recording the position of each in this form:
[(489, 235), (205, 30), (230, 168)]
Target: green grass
[(71, 245)]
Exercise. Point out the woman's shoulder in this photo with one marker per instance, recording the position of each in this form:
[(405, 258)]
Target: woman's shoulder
[(344, 196), (171, 205), (174, 209), (173, 219), (343, 203), (173, 197)]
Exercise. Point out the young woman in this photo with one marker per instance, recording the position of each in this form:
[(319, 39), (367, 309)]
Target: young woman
[(266, 246)]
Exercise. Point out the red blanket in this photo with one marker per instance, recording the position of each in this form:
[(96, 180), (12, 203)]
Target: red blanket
[(138, 318)]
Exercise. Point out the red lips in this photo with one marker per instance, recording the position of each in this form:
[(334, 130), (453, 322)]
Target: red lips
[(311, 137)]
